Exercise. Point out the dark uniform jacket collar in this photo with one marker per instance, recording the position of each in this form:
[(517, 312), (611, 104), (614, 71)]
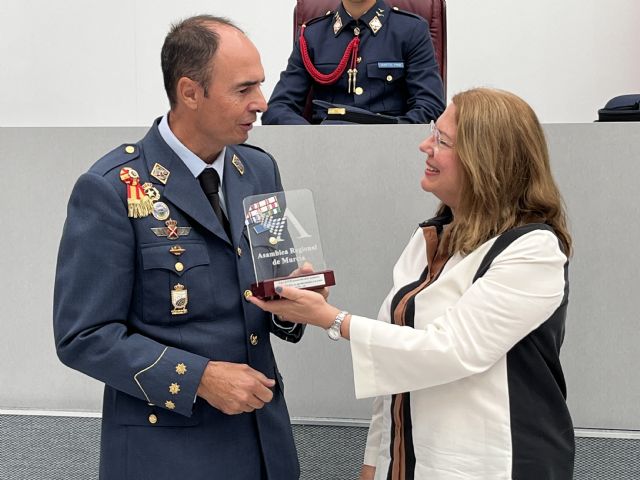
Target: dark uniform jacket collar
[(183, 190), (373, 19)]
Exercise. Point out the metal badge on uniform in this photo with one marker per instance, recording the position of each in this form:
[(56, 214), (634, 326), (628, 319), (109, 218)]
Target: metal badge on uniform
[(138, 203), (172, 231), (337, 25), (179, 300), (177, 250), (375, 24), (151, 191), (238, 164), (160, 173), (160, 211)]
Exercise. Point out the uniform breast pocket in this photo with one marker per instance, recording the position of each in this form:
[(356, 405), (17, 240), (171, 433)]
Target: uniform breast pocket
[(388, 80), (387, 72), (176, 288)]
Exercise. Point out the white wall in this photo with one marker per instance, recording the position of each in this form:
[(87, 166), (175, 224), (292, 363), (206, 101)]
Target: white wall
[(96, 63), (565, 57)]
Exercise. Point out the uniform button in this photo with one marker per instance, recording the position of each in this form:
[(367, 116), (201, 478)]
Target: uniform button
[(359, 90), (396, 8), (389, 78), (247, 293), (273, 240), (153, 419), (179, 267), (253, 338), (239, 251), (129, 149)]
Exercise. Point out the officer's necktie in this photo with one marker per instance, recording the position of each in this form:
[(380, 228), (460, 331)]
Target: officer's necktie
[(210, 182)]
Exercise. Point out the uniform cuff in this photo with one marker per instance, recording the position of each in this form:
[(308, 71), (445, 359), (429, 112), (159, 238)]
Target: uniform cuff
[(172, 380)]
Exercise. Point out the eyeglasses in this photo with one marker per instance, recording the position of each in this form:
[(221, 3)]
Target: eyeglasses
[(440, 142)]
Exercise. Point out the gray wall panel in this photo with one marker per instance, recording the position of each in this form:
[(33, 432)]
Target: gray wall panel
[(366, 183)]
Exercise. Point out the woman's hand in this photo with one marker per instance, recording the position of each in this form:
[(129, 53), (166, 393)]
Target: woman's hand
[(300, 306), (368, 472), (306, 269)]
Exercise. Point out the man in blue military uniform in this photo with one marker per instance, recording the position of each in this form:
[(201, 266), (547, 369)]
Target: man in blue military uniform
[(366, 55), (152, 274)]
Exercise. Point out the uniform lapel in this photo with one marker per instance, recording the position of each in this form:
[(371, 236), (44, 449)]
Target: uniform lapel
[(182, 188), (237, 187)]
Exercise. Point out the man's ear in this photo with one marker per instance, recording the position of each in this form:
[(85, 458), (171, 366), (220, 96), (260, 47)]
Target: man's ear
[(188, 93)]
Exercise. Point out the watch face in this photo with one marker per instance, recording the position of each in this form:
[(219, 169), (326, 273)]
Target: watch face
[(334, 333)]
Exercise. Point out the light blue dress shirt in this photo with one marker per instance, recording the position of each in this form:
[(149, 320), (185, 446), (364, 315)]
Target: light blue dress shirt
[(194, 163)]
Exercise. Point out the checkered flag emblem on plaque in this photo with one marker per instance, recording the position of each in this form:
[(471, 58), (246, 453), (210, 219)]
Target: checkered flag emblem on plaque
[(264, 216), (275, 225)]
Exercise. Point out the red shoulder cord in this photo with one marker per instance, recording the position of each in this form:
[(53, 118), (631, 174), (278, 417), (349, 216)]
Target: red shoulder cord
[(329, 78)]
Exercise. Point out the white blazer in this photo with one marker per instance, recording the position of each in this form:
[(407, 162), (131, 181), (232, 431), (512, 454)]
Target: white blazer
[(455, 362)]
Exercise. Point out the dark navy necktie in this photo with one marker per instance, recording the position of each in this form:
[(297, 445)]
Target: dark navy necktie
[(210, 183)]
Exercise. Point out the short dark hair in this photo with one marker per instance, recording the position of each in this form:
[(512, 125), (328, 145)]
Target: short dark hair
[(187, 51)]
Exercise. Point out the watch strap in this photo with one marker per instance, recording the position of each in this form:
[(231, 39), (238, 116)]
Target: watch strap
[(334, 330)]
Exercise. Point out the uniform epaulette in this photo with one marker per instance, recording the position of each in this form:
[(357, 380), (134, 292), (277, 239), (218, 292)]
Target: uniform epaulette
[(405, 12), (329, 14), (251, 156), (116, 157), (252, 146)]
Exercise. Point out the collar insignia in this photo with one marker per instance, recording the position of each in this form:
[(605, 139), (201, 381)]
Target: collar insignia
[(375, 24), (337, 25), (160, 173), (238, 164)]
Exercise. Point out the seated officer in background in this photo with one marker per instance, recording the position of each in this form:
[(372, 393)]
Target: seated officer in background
[(152, 268), (366, 55)]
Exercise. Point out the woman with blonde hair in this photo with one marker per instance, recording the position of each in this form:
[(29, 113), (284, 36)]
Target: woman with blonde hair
[(464, 362)]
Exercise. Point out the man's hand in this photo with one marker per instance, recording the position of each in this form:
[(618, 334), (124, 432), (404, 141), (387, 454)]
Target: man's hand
[(234, 388)]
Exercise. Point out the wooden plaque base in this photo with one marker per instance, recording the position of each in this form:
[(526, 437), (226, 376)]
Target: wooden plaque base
[(267, 288)]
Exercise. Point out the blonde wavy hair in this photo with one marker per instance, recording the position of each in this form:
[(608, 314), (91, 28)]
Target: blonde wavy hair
[(507, 180)]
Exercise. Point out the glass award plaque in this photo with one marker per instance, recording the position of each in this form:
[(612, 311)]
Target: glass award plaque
[(283, 235)]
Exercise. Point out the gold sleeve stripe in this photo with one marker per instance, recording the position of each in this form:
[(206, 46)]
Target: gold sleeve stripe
[(135, 377)]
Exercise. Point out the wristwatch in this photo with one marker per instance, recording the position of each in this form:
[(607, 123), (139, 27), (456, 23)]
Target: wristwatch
[(334, 330)]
